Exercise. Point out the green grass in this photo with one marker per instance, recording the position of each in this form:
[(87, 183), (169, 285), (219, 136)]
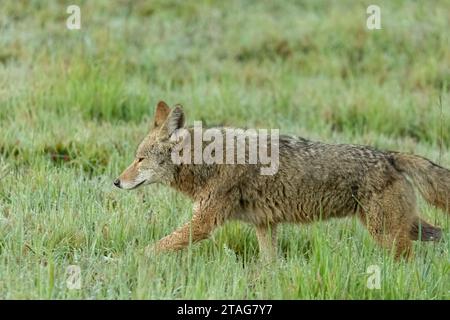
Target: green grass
[(75, 104)]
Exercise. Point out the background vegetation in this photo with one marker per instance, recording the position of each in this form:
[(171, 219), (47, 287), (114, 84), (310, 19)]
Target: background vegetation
[(75, 103)]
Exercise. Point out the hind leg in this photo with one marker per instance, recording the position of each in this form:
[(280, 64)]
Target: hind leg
[(389, 217)]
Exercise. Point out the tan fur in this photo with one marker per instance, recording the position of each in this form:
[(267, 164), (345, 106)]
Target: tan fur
[(315, 181)]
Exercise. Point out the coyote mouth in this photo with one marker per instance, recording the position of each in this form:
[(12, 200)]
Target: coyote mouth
[(138, 185)]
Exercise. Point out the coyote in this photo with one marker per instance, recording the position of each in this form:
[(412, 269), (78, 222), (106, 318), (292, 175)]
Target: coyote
[(314, 181)]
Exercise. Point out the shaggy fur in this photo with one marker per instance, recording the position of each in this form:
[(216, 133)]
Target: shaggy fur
[(315, 181)]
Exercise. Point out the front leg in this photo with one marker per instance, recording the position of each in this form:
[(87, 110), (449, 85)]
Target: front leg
[(267, 240), (199, 228), (207, 217)]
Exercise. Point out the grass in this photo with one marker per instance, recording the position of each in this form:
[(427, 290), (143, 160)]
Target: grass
[(74, 105)]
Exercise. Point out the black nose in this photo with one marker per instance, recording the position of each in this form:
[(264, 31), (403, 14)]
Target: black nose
[(117, 183)]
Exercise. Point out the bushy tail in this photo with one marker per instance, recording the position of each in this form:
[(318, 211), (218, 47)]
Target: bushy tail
[(423, 231), (432, 180)]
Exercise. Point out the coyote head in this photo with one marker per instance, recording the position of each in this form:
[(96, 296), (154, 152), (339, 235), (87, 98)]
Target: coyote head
[(152, 161)]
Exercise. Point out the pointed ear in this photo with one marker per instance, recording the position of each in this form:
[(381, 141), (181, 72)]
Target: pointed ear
[(161, 113), (174, 121)]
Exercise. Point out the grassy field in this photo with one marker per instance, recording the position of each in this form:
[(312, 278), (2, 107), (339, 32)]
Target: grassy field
[(75, 103)]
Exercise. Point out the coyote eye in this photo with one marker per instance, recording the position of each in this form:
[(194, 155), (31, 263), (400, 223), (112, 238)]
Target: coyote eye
[(140, 160)]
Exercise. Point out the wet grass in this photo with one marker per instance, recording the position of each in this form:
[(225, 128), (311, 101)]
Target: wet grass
[(74, 105)]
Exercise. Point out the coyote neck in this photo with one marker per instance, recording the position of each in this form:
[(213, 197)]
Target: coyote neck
[(191, 179)]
